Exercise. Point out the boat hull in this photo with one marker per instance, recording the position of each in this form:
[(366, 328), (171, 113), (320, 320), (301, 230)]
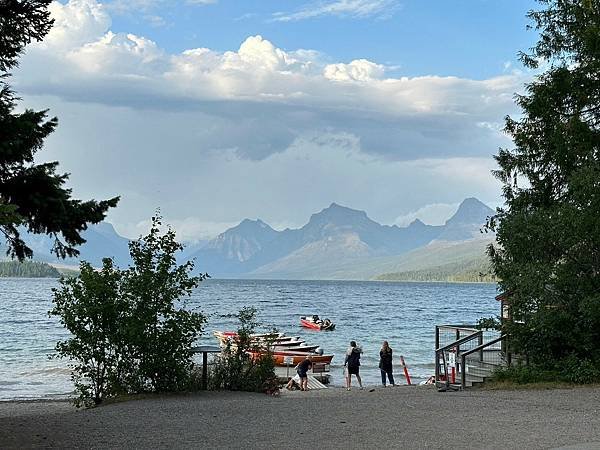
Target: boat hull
[(319, 326), (279, 358), (309, 324)]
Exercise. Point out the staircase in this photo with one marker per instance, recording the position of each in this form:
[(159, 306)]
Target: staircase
[(470, 358)]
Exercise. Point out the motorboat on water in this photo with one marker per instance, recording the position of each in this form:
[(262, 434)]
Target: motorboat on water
[(314, 322)]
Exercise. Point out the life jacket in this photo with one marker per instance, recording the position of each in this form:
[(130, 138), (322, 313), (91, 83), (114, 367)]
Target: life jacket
[(354, 358)]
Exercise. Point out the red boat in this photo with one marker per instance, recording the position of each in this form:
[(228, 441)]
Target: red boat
[(293, 358), (315, 323)]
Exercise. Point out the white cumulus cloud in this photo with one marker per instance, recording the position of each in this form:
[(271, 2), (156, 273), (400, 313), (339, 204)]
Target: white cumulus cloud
[(357, 70), (268, 95)]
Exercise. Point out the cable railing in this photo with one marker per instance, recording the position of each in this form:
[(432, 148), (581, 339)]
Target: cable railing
[(446, 334), (487, 358), (447, 367), (468, 358)]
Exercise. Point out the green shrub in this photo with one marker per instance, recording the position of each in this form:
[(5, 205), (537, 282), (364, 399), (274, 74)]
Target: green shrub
[(525, 375), (239, 367), (568, 370), (131, 332), (90, 307), (581, 371)]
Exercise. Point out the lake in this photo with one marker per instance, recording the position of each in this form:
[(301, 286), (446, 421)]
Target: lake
[(405, 314)]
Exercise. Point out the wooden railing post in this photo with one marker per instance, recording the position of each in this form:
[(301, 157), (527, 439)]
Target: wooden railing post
[(204, 370)]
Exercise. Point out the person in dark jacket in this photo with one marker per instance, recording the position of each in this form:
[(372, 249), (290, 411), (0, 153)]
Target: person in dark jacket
[(302, 370), (352, 364), (385, 363)]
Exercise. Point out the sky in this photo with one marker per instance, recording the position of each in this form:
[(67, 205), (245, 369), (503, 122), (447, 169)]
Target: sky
[(220, 110)]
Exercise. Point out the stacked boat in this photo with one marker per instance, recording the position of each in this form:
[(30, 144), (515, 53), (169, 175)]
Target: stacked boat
[(285, 350)]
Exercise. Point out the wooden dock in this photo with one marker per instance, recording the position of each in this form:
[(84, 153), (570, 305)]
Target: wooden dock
[(318, 381)]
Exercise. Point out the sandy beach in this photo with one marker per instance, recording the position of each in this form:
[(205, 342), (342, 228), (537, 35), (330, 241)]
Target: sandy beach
[(401, 417)]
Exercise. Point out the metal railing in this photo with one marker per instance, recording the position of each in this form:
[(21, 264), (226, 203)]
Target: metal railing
[(465, 354), (445, 334), (497, 358), (442, 356)]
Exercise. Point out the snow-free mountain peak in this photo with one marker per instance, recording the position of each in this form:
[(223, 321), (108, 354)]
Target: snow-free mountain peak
[(417, 223), (339, 215), (467, 222), (471, 210)]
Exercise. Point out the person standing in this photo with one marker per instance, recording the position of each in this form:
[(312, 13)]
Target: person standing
[(385, 363), (352, 364)]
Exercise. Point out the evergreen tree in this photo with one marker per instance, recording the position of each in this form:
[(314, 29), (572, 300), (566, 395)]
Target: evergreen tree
[(548, 233), (33, 195)]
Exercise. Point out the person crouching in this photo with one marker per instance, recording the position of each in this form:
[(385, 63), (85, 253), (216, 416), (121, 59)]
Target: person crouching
[(302, 369)]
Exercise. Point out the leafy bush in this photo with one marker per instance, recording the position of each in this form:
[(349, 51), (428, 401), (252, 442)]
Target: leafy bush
[(131, 332), (90, 307), (568, 370), (525, 375), (489, 323), (240, 367), (581, 371)]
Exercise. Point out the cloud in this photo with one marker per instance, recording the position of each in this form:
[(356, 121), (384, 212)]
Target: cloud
[(213, 137), (359, 9), (189, 229), (75, 23), (152, 159), (201, 2), (433, 214), (149, 7), (259, 98), (357, 70)]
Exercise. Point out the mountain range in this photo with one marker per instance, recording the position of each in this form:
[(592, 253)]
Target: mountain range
[(336, 243), (333, 242), (102, 241)]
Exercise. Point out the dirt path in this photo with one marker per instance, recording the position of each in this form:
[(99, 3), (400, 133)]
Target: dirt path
[(401, 417)]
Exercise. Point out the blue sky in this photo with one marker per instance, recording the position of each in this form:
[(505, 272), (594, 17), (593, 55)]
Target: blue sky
[(216, 111), (472, 38)]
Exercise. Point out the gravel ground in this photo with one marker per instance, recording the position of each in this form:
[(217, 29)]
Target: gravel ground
[(401, 417)]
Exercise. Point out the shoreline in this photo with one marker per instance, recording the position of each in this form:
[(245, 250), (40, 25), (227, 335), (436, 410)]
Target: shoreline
[(401, 417), (352, 280)]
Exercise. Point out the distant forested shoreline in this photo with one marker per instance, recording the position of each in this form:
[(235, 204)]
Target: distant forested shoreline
[(27, 269), (475, 271)]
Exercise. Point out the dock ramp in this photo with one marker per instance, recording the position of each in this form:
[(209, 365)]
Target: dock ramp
[(314, 384)]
